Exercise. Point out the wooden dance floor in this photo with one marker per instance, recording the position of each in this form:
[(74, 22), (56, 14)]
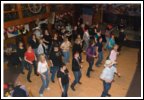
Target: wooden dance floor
[(91, 87)]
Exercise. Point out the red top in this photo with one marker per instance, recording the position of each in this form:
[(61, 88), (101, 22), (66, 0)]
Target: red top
[(30, 56)]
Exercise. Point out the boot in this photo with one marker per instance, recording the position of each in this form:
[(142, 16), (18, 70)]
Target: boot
[(72, 87)]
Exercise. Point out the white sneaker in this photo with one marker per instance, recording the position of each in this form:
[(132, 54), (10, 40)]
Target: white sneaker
[(41, 95)]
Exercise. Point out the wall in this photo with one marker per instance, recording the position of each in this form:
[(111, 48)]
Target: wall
[(21, 20)]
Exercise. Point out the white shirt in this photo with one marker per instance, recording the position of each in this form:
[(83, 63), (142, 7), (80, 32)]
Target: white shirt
[(68, 28), (37, 33), (113, 55), (86, 36), (42, 67), (108, 73), (40, 49)]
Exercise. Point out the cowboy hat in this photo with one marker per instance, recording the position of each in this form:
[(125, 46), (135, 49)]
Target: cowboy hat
[(109, 63)]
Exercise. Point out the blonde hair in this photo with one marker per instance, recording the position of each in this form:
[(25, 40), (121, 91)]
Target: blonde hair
[(41, 56)]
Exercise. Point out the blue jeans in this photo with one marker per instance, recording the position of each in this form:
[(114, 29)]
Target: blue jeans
[(109, 51), (23, 63), (45, 82), (77, 75), (91, 62), (100, 58), (106, 89), (35, 51), (66, 56), (54, 70), (86, 43), (65, 88), (49, 49), (107, 42), (30, 69)]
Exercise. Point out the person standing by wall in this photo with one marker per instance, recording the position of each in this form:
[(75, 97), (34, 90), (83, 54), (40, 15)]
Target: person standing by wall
[(121, 39)]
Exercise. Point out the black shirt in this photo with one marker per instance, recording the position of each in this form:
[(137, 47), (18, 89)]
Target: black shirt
[(56, 42), (60, 35), (48, 38), (34, 44), (21, 53), (77, 48), (64, 77), (80, 31), (18, 92), (99, 45), (75, 65), (74, 33), (56, 58), (122, 36)]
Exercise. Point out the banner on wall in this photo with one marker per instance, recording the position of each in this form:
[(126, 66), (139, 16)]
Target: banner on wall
[(87, 15), (16, 30), (87, 19)]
